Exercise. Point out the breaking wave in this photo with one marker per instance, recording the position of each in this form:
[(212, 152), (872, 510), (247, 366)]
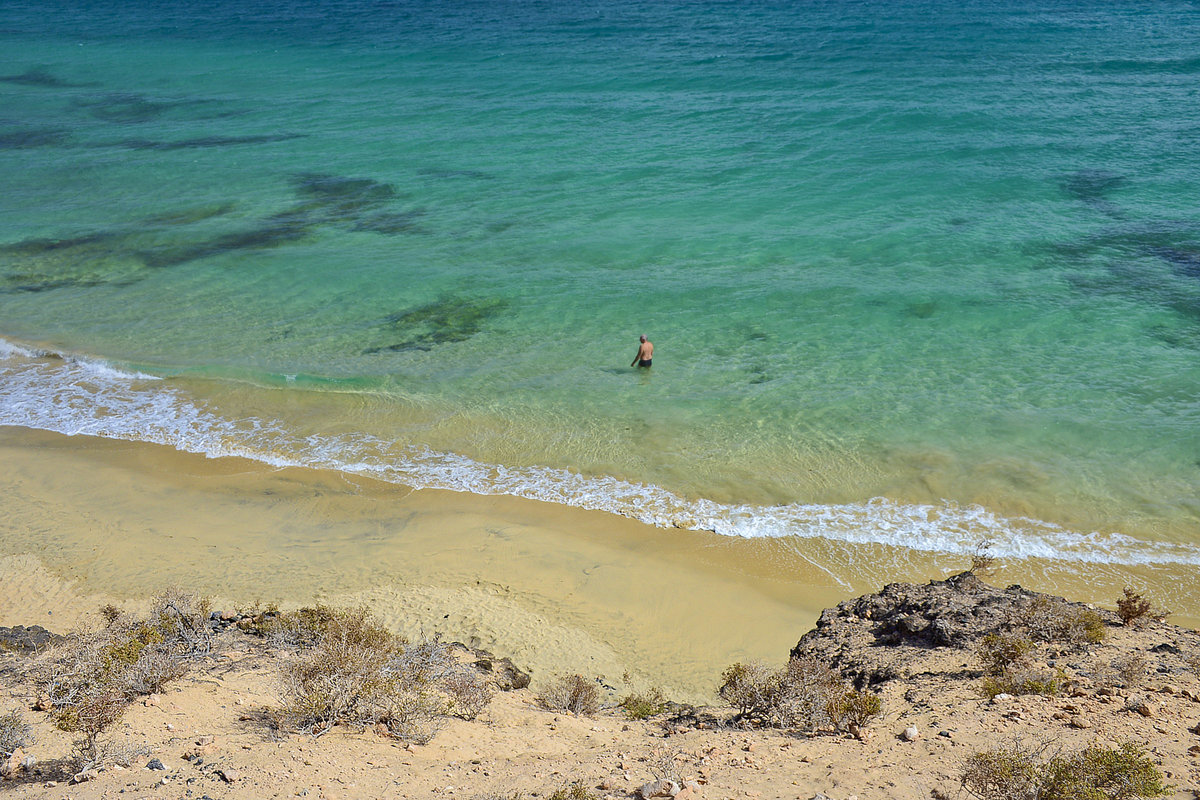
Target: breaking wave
[(72, 395)]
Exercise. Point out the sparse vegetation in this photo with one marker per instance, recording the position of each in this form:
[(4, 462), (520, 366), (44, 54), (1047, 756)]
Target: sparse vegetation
[(1094, 773), (14, 733), (1053, 620), (642, 705), (999, 651), (1130, 670), (350, 670), (983, 561), (90, 678), (1135, 609), (805, 694), (575, 791), (573, 694), (1006, 658)]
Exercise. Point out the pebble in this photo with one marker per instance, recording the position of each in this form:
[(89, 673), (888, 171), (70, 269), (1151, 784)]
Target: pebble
[(229, 775), (911, 734), (659, 788), (155, 763), (1082, 723)]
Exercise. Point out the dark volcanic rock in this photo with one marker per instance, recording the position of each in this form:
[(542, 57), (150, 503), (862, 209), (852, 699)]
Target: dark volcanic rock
[(26, 640), (879, 637), (502, 671)]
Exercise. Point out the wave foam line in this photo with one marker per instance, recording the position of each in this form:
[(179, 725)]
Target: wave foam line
[(74, 396)]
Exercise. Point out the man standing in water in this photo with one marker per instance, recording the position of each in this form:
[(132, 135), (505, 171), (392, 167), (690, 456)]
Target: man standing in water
[(644, 354)]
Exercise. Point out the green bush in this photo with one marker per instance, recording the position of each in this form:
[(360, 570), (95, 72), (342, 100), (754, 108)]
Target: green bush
[(1000, 651), (807, 694), (576, 791), (1025, 679), (1094, 773), (643, 706)]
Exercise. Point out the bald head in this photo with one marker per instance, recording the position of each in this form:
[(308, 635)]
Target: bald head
[(642, 338)]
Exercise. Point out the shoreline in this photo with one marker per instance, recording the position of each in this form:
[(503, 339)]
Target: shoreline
[(555, 588)]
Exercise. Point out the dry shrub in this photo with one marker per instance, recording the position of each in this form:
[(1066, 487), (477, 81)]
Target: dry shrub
[(1050, 619), (575, 791), (1025, 678), (983, 561), (350, 670), (805, 694), (573, 694), (1006, 773), (91, 676), (1135, 609), (999, 651), (14, 733), (1094, 773), (751, 688), (639, 705), (1130, 669)]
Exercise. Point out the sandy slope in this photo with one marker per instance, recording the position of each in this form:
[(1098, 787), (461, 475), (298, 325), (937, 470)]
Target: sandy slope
[(515, 746)]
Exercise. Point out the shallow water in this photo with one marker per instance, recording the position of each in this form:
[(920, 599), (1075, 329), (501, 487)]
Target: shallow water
[(918, 274)]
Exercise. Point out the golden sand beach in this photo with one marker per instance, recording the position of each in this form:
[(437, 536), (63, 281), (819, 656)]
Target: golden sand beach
[(555, 588)]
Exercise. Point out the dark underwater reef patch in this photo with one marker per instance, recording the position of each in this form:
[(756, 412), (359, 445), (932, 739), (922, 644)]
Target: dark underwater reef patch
[(42, 78), (89, 260), (205, 141), (123, 255), (188, 216), (446, 320), (356, 204), (261, 237), (31, 137), (128, 108), (1093, 187)]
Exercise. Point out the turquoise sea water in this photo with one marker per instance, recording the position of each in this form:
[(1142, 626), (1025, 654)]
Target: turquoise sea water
[(917, 273)]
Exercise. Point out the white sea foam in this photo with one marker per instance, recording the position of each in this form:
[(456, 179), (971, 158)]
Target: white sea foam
[(83, 396)]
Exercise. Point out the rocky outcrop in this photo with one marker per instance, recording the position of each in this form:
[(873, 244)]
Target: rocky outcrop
[(26, 640), (879, 637)]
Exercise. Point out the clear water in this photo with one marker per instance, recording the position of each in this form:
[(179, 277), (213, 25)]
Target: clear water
[(916, 272)]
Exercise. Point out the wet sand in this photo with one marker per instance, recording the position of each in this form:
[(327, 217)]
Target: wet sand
[(87, 520)]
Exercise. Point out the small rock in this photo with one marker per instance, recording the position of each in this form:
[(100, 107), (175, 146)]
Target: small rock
[(154, 763), (911, 734), (659, 788), (945, 734), (152, 700), (1003, 697), (12, 766), (1081, 723), (1168, 689), (607, 785), (43, 703), (687, 793), (1140, 705), (228, 615), (229, 775), (85, 776), (204, 741)]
